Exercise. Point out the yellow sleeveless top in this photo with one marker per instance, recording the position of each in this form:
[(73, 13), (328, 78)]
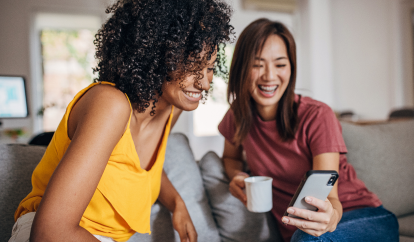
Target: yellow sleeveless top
[(121, 204)]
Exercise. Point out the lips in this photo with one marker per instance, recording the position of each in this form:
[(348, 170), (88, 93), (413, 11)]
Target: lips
[(193, 96), (268, 89)]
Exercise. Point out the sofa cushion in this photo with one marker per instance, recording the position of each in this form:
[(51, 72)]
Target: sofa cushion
[(234, 221), (383, 157), (406, 239), (17, 162), (184, 174), (407, 225)]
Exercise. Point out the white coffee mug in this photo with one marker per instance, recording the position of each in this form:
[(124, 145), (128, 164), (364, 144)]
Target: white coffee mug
[(259, 193)]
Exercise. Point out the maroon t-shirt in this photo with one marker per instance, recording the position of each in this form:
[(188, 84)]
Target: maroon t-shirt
[(319, 131)]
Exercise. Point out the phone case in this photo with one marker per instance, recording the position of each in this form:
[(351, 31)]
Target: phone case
[(316, 183)]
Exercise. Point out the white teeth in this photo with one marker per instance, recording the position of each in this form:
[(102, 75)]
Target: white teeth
[(193, 94), (268, 88)]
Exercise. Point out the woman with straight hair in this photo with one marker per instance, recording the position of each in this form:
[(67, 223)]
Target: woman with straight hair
[(103, 169), (284, 135)]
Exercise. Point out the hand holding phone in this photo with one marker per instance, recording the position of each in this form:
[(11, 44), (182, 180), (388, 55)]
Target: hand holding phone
[(316, 215), (315, 183)]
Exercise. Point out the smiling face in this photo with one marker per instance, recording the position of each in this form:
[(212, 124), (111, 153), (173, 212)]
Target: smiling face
[(270, 74), (186, 94)]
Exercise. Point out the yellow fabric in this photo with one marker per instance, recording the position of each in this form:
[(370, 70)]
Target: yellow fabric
[(121, 204)]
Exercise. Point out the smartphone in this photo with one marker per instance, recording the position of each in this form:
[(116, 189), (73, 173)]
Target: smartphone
[(315, 183)]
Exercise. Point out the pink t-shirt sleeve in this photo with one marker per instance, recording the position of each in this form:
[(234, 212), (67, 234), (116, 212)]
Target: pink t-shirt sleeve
[(227, 126), (324, 132)]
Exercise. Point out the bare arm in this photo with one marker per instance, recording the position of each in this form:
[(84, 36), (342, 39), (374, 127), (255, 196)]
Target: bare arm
[(330, 161), (98, 120), (233, 165), (170, 198)]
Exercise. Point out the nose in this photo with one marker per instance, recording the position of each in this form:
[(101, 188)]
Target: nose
[(204, 82), (270, 73)]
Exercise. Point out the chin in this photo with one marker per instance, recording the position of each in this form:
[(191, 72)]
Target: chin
[(187, 107), (266, 102)]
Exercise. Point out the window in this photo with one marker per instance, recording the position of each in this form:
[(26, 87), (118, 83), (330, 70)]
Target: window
[(67, 58)]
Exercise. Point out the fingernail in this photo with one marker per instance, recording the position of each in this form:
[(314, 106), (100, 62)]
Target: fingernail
[(290, 210), (308, 199), (285, 220)]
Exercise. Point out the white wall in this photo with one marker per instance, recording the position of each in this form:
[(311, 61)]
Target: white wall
[(350, 56), (363, 56), (353, 54), (14, 48), (315, 53), (402, 39), (373, 60), (357, 54), (16, 42)]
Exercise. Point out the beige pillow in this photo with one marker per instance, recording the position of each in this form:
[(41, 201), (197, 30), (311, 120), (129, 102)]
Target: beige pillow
[(383, 157)]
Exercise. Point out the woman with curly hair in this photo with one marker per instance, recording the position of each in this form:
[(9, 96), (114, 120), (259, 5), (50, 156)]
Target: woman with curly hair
[(102, 171), (284, 135)]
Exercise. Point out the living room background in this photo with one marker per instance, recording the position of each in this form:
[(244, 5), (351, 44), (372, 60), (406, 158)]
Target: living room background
[(353, 55)]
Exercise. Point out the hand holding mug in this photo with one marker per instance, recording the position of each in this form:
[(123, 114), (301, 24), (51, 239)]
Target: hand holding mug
[(237, 185)]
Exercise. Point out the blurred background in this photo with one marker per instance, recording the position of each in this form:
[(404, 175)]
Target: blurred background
[(355, 55)]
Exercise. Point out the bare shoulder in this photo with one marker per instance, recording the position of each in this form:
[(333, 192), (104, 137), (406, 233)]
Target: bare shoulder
[(102, 106), (108, 95), (108, 98)]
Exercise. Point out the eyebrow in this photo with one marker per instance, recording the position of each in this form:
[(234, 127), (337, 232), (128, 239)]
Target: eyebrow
[(279, 58)]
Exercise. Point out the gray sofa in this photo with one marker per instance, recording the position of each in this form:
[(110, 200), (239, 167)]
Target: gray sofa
[(382, 155), (216, 214)]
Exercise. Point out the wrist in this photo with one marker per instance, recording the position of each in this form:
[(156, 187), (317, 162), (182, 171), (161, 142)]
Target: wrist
[(242, 173), (239, 173), (337, 209), (336, 215), (178, 204)]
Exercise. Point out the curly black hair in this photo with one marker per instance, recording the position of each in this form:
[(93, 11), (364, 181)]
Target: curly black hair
[(148, 42)]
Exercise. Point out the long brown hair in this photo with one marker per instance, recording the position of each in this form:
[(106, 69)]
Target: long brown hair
[(249, 44)]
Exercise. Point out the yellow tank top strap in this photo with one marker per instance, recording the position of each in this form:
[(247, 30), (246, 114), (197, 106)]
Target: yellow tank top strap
[(104, 82), (130, 115)]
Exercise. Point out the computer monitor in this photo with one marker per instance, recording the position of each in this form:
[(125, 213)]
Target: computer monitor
[(13, 99)]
